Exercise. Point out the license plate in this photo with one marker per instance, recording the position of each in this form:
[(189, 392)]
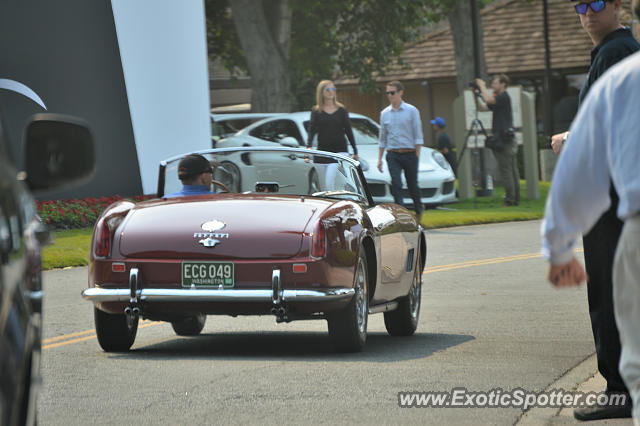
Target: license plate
[(207, 274)]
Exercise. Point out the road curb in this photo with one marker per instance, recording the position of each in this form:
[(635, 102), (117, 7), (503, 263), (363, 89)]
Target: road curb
[(570, 381)]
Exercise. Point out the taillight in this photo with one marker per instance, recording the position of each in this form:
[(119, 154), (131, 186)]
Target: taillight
[(106, 227), (319, 241), (102, 244)]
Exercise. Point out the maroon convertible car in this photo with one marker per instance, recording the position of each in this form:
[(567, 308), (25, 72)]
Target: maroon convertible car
[(288, 232)]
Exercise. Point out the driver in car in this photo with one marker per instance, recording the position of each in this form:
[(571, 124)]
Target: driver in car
[(196, 174)]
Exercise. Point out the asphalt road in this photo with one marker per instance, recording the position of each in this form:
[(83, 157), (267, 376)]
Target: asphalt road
[(488, 320)]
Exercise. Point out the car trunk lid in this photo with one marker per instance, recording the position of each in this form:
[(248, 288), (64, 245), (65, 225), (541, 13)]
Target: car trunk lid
[(234, 227)]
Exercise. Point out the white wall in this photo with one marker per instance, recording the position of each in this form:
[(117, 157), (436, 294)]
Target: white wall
[(164, 60)]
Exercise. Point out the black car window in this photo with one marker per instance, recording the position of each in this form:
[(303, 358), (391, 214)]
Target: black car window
[(365, 132), (276, 130)]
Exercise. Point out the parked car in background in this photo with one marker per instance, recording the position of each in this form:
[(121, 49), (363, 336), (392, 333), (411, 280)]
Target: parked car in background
[(59, 150), (271, 241), (436, 179), (223, 125)]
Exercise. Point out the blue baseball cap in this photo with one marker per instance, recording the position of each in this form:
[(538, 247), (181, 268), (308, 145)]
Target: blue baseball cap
[(439, 121)]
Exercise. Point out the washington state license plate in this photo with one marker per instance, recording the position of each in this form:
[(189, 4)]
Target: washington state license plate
[(207, 274)]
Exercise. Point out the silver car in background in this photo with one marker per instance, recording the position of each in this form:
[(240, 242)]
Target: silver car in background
[(435, 176), (226, 124)]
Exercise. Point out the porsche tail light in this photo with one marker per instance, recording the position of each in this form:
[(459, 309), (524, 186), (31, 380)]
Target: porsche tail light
[(319, 241)]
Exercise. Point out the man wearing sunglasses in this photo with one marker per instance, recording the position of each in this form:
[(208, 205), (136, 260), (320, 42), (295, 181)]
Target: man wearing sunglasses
[(612, 43), (401, 137)]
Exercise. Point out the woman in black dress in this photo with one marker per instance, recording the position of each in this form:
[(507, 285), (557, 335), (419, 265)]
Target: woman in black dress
[(330, 121)]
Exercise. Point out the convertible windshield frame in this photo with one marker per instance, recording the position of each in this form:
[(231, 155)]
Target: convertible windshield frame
[(312, 157)]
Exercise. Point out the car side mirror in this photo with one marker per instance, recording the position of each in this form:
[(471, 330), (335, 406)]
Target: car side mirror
[(290, 142), (59, 152)]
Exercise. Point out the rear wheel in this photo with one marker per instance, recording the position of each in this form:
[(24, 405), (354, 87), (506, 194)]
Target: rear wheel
[(404, 320), (348, 327), (116, 332), (190, 326)]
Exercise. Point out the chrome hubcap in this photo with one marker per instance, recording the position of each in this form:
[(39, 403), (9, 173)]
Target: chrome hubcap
[(414, 297), (361, 297)]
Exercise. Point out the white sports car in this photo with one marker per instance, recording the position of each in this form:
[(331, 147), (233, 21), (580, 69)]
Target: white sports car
[(435, 176)]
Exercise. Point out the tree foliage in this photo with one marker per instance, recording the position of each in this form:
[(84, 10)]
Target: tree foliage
[(357, 37)]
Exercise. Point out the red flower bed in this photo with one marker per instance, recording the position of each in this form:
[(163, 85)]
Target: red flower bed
[(67, 214)]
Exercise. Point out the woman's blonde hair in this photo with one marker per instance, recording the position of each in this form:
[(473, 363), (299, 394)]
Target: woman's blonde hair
[(320, 99)]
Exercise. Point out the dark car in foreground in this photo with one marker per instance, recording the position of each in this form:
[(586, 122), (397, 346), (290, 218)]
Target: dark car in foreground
[(58, 151), (272, 240)]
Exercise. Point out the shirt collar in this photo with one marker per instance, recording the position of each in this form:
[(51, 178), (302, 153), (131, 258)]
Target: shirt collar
[(620, 32), (400, 107), (194, 188)]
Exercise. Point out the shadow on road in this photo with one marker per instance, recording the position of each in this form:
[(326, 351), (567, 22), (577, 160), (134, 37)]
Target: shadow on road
[(294, 346)]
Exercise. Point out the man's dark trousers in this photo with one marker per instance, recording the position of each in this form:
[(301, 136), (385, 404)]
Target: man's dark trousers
[(599, 251), (407, 162)]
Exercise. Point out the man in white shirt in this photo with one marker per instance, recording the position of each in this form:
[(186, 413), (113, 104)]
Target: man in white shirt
[(603, 149), (401, 137)]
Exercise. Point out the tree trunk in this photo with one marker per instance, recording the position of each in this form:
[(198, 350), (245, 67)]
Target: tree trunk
[(461, 30), (264, 31)]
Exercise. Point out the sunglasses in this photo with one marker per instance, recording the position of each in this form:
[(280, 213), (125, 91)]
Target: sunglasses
[(391, 92), (330, 89), (596, 6)]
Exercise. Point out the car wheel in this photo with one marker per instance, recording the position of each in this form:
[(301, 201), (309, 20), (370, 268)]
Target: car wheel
[(116, 332), (314, 182), (404, 320), (190, 326), (348, 327)]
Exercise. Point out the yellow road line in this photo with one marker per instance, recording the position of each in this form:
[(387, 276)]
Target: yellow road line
[(91, 334), (481, 262)]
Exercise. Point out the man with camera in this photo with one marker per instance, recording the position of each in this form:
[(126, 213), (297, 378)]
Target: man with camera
[(505, 148)]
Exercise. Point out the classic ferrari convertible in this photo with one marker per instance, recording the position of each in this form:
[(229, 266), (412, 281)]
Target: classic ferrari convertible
[(286, 232)]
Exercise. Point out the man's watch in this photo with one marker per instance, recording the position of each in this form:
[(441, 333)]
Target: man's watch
[(565, 137)]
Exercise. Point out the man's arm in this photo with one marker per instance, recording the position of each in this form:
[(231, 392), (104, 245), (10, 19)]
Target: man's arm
[(380, 153), (382, 142), (558, 140), (579, 191), (418, 139), (570, 274), (487, 98)]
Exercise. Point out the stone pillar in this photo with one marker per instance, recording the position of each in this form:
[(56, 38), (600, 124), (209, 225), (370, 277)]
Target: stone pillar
[(530, 144)]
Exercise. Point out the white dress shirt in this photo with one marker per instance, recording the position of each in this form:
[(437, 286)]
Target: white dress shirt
[(603, 147), (400, 128)]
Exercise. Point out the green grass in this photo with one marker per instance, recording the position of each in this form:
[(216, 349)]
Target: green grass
[(486, 210), (71, 247)]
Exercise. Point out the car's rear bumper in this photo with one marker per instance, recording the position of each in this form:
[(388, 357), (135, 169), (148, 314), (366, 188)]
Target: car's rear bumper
[(156, 301), (102, 295)]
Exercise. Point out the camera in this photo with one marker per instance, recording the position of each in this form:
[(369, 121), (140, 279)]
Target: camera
[(474, 86)]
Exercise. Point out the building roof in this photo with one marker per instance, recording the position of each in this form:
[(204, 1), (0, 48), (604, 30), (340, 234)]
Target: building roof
[(513, 32)]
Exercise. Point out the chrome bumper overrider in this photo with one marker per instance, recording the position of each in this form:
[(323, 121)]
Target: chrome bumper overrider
[(98, 295)]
